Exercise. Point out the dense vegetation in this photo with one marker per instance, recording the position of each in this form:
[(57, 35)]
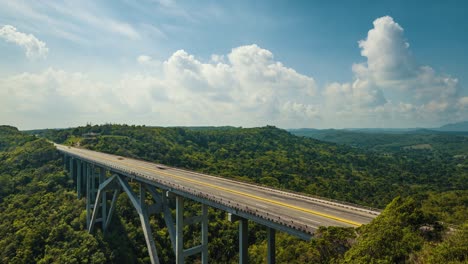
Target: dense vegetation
[(42, 221), (402, 142)]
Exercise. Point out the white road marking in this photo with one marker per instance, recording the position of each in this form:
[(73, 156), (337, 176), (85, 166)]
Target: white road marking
[(261, 205), (308, 219)]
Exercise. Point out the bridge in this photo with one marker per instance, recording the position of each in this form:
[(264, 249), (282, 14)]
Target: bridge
[(102, 177)]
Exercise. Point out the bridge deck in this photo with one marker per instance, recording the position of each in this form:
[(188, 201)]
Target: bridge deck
[(289, 209)]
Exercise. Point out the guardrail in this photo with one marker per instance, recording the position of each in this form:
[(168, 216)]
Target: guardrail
[(310, 197)]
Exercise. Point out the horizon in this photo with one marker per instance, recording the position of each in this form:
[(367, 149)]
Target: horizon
[(283, 128), (397, 65)]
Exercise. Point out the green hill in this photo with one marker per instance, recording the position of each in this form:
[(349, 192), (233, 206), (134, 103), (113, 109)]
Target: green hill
[(461, 126), (447, 143)]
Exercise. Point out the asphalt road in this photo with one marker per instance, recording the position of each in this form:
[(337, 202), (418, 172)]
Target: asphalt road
[(305, 210)]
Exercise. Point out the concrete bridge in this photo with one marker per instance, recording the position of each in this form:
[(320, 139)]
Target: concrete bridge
[(102, 177)]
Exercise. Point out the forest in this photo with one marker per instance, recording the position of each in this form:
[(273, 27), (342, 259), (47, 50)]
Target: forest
[(423, 194), (394, 141)]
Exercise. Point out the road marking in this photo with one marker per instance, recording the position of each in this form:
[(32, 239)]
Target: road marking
[(223, 188), (261, 205), (308, 219)]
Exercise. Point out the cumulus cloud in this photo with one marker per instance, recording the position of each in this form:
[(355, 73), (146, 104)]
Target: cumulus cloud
[(246, 87), (250, 88), (33, 46), (387, 52), (391, 81), (53, 92)]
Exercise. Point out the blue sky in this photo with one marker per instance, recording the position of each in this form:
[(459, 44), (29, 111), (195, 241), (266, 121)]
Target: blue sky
[(290, 64)]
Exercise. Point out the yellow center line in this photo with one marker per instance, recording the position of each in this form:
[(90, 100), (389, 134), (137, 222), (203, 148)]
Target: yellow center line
[(230, 190)]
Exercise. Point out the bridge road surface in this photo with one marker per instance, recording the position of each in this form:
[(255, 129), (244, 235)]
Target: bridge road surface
[(310, 211)]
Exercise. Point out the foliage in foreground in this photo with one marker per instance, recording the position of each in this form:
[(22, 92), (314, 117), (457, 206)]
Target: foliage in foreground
[(41, 220)]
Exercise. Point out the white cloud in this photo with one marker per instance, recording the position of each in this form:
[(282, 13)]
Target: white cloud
[(246, 87), (53, 92), (33, 46), (463, 102), (241, 91), (391, 81), (386, 50), (91, 14), (143, 59), (81, 22)]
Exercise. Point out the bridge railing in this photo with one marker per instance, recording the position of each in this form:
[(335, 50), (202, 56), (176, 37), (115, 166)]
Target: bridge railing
[(284, 191)]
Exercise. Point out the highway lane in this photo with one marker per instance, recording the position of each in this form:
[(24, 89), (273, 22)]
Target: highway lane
[(301, 209)]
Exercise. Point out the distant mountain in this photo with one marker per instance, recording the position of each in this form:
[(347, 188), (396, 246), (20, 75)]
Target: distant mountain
[(460, 126), (384, 130)]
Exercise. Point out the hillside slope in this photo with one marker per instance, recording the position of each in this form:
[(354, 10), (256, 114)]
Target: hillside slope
[(460, 126)]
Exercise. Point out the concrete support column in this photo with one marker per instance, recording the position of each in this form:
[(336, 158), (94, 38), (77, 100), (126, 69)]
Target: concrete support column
[(271, 247), (168, 219), (65, 164), (71, 168), (102, 178), (243, 240), (179, 230), (93, 183), (83, 178), (243, 236), (88, 195), (79, 175), (204, 233)]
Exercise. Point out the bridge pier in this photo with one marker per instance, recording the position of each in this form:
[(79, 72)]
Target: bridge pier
[(179, 230), (243, 237), (182, 253), (91, 191), (102, 178), (243, 241), (88, 194), (72, 172), (79, 175), (271, 245), (65, 162), (168, 218)]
